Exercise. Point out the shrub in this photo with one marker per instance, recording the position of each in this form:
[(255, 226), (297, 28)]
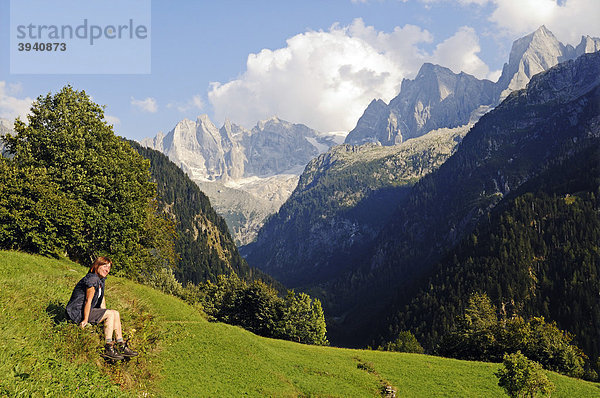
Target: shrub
[(406, 342), (257, 307), (481, 335), (521, 377), (164, 280)]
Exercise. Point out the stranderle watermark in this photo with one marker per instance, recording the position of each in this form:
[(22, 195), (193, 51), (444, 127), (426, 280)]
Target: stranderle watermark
[(80, 37)]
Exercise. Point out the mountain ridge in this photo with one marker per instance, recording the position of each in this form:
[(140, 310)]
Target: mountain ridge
[(507, 147), (252, 171), (330, 216), (438, 97)]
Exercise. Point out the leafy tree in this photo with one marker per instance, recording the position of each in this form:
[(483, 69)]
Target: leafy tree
[(34, 215), (482, 335), (406, 342), (549, 345), (164, 280), (475, 336), (256, 307), (304, 320), (521, 377), (106, 184)]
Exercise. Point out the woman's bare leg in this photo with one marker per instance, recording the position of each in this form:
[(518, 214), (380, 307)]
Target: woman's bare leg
[(112, 323), (117, 325)]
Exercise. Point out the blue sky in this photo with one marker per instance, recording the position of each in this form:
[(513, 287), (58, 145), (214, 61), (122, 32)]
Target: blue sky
[(313, 62)]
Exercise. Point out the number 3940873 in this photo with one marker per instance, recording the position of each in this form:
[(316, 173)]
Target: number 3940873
[(42, 46)]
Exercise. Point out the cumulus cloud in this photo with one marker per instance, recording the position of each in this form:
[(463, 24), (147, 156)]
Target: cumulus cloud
[(146, 105), (11, 106), (568, 20), (459, 53), (115, 121), (195, 103), (325, 79)]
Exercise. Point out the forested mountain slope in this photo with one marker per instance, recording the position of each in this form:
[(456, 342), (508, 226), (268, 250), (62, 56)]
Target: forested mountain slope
[(556, 116), (536, 255), (343, 199), (203, 242)]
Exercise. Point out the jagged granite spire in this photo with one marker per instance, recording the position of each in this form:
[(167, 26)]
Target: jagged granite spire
[(530, 55), (436, 98), (377, 124), (206, 153), (587, 45), (439, 98)]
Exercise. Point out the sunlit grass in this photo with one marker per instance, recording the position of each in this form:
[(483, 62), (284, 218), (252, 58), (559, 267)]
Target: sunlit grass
[(184, 355)]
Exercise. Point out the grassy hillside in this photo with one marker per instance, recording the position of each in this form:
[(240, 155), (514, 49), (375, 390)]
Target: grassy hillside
[(184, 355)]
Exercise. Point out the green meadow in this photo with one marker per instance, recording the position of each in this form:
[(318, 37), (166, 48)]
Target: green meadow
[(182, 354)]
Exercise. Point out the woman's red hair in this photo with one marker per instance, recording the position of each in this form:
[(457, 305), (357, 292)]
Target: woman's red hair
[(99, 262)]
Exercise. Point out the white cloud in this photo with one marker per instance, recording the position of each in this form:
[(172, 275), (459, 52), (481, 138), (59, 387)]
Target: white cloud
[(115, 121), (11, 106), (568, 20), (494, 75), (459, 53), (326, 79), (146, 105), (195, 103)]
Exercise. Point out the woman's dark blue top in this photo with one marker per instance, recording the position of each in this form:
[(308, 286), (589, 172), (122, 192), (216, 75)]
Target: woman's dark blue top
[(77, 301)]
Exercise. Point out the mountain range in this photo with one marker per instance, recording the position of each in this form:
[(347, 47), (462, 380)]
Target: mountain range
[(438, 97), (554, 119), (247, 174), (204, 246), (342, 200)]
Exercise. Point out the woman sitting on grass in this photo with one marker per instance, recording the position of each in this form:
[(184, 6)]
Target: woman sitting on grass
[(87, 306)]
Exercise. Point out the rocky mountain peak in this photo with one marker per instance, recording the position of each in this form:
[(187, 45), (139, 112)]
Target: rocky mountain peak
[(587, 45), (6, 124), (184, 132), (530, 55), (207, 134), (231, 131), (204, 121), (436, 79), (436, 98), (439, 98), (377, 124), (206, 153), (272, 123)]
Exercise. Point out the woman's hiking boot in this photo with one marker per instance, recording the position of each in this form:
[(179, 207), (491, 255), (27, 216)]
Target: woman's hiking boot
[(111, 353), (126, 351)]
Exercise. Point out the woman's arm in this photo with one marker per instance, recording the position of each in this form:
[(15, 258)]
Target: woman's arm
[(89, 295), (103, 305)]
